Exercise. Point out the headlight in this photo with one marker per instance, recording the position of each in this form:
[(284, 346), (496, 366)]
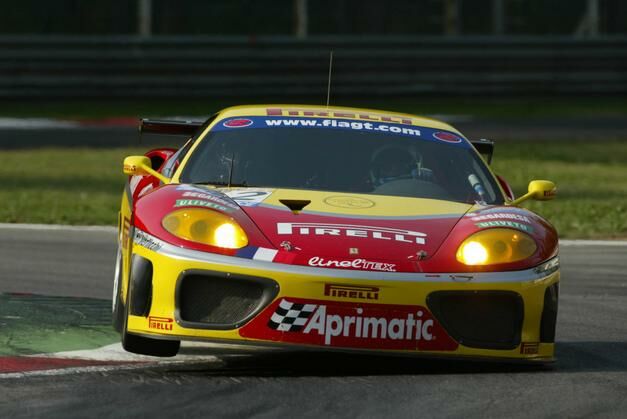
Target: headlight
[(206, 227), (496, 245)]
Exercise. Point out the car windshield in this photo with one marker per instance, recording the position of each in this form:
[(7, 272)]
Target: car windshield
[(355, 157)]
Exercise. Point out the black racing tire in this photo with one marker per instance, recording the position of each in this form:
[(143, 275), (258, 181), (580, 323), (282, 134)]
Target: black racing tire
[(140, 344), (148, 346), (117, 309)]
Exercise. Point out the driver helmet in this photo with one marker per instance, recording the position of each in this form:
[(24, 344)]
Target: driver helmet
[(392, 163)]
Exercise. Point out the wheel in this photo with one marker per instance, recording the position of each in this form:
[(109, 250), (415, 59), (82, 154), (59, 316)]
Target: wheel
[(147, 346), (134, 343), (117, 311)]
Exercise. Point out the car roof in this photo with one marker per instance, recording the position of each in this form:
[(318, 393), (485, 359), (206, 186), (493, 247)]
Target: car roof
[(340, 112)]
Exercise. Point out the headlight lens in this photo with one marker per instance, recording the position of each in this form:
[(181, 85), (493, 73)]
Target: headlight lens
[(496, 245), (206, 227)]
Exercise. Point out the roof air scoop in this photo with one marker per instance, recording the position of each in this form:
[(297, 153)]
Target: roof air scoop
[(295, 205)]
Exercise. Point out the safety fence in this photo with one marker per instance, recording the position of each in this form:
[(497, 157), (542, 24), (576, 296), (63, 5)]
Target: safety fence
[(210, 67)]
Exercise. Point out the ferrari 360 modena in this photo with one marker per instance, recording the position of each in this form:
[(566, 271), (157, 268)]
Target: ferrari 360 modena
[(330, 228)]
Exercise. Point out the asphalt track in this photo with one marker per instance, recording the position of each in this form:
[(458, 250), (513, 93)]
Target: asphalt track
[(589, 379)]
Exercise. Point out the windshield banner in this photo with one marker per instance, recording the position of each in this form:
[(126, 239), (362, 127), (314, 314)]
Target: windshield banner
[(423, 133)]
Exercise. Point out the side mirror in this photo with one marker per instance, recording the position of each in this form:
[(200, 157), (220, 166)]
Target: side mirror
[(540, 190), (140, 166)]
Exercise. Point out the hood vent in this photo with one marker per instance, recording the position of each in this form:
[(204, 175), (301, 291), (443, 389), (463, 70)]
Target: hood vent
[(295, 205)]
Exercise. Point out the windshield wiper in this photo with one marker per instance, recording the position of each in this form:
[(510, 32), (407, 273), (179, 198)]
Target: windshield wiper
[(230, 183)]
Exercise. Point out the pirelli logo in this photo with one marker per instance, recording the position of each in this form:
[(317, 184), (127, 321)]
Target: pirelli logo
[(396, 119), (160, 323), (355, 292), (529, 348)]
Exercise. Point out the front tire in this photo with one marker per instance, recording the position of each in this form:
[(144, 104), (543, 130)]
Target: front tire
[(148, 346), (134, 343), (117, 309)]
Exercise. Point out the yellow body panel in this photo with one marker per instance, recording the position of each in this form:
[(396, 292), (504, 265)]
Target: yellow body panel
[(365, 204), (168, 269)]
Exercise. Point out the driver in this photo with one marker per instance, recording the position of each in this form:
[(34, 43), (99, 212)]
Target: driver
[(392, 163)]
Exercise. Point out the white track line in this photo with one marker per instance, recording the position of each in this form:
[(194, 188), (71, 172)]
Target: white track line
[(35, 123), (190, 352), (68, 371), (575, 243), (115, 353), (62, 227)]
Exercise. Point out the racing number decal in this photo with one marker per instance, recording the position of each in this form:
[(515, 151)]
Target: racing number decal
[(248, 197)]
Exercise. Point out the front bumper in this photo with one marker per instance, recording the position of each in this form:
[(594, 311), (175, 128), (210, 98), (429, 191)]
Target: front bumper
[(481, 315)]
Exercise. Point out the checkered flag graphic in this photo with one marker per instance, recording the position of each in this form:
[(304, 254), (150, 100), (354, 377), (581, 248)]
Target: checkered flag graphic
[(291, 317)]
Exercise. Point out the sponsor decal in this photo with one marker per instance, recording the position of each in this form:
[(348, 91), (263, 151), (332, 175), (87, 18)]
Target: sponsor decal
[(342, 124), (210, 197), (351, 202), (397, 126), (142, 239), (357, 292), (200, 203), (447, 137), (529, 348), (461, 278), (552, 192), (350, 325), (510, 210), (501, 215), (130, 168), (340, 114), (248, 197), (237, 123), (502, 223), (257, 253), (353, 251), (160, 323), (347, 230), (362, 264)]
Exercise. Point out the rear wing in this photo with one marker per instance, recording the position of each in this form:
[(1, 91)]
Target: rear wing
[(169, 127), (485, 148)]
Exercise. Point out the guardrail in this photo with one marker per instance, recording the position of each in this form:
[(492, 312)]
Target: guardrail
[(184, 67)]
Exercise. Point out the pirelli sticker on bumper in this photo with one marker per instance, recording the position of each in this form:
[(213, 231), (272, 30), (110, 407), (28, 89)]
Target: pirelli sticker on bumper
[(349, 325)]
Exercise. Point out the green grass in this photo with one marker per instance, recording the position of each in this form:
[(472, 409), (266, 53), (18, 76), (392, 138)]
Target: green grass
[(83, 186), (591, 178), (32, 324), (77, 186), (492, 108)]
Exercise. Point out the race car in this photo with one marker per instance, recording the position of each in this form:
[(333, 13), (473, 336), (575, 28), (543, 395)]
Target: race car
[(332, 228)]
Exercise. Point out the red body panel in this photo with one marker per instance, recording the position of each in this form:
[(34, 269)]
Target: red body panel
[(350, 325), (333, 241), (335, 236)]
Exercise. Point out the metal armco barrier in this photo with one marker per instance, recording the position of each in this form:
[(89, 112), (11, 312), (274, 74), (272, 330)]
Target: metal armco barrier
[(187, 67)]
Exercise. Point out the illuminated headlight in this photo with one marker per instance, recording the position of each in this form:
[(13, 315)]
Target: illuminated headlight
[(496, 245), (206, 227)]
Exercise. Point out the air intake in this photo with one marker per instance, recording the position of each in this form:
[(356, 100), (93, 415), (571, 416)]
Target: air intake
[(218, 300)]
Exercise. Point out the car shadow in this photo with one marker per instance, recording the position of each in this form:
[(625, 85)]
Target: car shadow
[(571, 357)]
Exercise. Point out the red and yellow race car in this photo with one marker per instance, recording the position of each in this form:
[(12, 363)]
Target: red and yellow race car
[(332, 228)]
